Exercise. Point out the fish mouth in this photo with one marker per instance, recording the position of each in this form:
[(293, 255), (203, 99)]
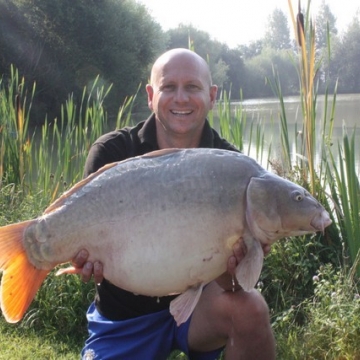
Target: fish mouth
[(321, 221)]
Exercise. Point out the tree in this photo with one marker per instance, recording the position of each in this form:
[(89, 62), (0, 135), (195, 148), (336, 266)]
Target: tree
[(344, 65), (64, 45), (236, 71), (277, 35), (253, 49), (325, 22), (186, 36), (226, 65), (270, 63)]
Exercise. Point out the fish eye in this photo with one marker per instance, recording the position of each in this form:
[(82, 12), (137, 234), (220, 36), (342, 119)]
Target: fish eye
[(297, 195)]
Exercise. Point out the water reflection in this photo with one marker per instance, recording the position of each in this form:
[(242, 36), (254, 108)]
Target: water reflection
[(267, 112)]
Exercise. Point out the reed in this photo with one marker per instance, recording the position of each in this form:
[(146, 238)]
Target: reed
[(307, 69), (63, 144), (337, 171), (275, 85), (125, 112), (344, 185), (246, 133), (15, 142)]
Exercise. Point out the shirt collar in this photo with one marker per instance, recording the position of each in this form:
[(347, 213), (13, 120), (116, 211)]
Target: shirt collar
[(147, 133)]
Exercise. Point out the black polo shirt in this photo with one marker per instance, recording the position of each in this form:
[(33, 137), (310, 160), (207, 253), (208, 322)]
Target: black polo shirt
[(112, 302)]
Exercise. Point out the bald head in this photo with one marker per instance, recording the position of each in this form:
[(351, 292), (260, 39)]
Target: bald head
[(182, 58), (180, 95)]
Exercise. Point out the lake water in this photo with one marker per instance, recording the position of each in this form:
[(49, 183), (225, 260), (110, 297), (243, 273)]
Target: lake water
[(266, 111)]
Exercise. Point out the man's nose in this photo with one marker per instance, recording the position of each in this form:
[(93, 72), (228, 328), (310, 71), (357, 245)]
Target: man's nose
[(181, 95)]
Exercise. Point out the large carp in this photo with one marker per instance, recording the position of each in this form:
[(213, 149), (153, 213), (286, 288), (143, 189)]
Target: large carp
[(163, 223)]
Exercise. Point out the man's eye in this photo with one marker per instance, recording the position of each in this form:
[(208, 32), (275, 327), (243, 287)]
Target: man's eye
[(168, 88), (192, 87)]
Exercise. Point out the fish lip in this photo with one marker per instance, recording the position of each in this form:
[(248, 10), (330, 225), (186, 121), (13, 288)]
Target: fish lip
[(320, 222)]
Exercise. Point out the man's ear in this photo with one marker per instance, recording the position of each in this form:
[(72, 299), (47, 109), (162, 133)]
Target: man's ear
[(213, 94), (150, 93)]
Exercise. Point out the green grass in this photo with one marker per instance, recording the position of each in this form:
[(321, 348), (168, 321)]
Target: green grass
[(18, 344), (330, 328)]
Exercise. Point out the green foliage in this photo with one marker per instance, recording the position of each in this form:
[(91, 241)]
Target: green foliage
[(284, 132), (15, 145), (15, 205), (260, 69), (67, 142), (58, 157), (236, 73), (345, 191), (277, 35), (342, 178), (342, 65), (331, 326), (60, 304), (226, 65), (59, 307), (286, 280), (325, 25), (63, 46), (232, 122)]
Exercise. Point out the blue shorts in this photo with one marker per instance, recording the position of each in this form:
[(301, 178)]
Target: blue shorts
[(150, 337)]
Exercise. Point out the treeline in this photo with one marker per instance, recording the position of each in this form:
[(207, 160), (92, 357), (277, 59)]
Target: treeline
[(63, 45)]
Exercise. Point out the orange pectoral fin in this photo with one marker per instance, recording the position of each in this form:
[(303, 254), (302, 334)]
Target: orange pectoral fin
[(20, 280)]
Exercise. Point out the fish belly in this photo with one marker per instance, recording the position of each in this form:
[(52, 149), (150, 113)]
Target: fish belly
[(158, 225)]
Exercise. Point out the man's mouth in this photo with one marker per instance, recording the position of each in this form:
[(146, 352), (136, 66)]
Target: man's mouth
[(181, 112)]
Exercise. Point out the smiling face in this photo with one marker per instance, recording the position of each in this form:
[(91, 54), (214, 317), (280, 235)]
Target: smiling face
[(180, 95)]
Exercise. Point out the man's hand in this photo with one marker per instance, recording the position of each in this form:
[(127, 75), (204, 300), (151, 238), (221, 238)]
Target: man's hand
[(228, 280), (86, 268), (239, 252)]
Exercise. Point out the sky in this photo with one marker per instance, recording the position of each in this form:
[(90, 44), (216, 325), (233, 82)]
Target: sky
[(238, 22)]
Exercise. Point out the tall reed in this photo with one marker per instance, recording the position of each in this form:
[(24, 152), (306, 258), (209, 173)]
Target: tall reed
[(15, 142), (337, 168), (275, 85), (50, 157), (344, 185), (235, 125), (64, 144), (307, 70)]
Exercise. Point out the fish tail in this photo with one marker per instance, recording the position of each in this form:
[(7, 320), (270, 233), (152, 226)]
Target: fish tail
[(20, 279)]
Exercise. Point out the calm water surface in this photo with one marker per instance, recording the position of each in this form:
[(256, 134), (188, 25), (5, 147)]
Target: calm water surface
[(346, 118), (266, 112)]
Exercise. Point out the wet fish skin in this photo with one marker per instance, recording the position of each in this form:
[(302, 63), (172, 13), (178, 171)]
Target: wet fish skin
[(162, 223)]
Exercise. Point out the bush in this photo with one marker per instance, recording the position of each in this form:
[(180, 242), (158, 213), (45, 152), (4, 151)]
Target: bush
[(332, 315)]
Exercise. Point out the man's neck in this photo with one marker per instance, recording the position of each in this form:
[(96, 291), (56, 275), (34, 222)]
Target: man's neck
[(177, 142)]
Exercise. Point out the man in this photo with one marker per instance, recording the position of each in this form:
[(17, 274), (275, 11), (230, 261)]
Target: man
[(127, 326)]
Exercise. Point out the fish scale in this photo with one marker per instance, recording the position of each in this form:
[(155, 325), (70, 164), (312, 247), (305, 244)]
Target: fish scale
[(163, 223)]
